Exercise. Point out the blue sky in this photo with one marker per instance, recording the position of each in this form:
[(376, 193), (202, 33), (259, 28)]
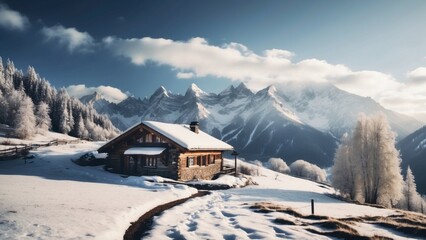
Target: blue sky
[(370, 48)]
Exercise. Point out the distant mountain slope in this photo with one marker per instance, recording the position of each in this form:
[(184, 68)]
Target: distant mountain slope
[(413, 153), (293, 121)]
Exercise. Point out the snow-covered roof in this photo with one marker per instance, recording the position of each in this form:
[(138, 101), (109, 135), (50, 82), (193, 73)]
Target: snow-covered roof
[(144, 151), (178, 133), (182, 135)]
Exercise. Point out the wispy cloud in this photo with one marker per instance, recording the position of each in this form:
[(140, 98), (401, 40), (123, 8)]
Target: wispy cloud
[(12, 19), (111, 94), (185, 75), (71, 38), (197, 58)]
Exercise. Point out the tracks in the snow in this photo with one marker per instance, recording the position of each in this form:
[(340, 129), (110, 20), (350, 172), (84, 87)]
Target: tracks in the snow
[(143, 224)]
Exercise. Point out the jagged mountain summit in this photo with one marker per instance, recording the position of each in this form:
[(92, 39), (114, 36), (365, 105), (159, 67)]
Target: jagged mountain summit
[(291, 121)]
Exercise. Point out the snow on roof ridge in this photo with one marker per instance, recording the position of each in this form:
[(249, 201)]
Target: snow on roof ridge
[(182, 135)]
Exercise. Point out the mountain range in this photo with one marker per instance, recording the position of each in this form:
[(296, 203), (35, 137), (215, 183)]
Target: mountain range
[(293, 121)]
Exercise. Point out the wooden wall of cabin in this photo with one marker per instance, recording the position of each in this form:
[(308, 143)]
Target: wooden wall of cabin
[(200, 169), (140, 138)]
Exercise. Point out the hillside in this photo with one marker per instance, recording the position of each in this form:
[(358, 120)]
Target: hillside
[(57, 199), (30, 105), (413, 154)]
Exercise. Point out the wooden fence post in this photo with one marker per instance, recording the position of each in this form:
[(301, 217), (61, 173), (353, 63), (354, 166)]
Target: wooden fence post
[(312, 207)]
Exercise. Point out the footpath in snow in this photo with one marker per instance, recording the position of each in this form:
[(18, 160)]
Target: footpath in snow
[(270, 210)]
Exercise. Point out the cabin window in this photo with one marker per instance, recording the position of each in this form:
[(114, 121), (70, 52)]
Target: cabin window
[(151, 162), (212, 159), (204, 160), (148, 138), (190, 161), (158, 140), (199, 160)]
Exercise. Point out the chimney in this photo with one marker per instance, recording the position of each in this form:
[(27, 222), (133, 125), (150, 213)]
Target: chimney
[(194, 126)]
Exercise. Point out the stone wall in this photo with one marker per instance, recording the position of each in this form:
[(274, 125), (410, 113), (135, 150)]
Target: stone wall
[(207, 172)]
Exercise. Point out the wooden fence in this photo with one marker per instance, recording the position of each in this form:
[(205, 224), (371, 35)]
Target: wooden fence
[(22, 150)]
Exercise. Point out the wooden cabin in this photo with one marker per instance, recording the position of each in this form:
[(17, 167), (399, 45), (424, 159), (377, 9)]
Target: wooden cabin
[(175, 151)]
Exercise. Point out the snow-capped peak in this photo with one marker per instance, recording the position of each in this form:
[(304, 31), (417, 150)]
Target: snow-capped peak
[(92, 98), (241, 89), (194, 90), (272, 90), (161, 91)]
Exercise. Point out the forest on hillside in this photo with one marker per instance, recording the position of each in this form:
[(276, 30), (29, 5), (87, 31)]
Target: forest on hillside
[(30, 105)]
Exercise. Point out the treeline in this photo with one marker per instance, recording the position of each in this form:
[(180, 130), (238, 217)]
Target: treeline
[(29, 104)]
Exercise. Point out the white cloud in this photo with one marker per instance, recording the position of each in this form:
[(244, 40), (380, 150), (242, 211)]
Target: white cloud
[(111, 94), (417, 77), (236, 62), (11, 19), (71, 38), (197, 58), (278, 53), (185, 75)]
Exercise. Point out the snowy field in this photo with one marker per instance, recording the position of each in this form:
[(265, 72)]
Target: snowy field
[(53, 198), (228, 214)]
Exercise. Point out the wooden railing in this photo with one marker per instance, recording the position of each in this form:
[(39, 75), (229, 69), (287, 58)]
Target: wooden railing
[(15, 151), (22, 150)]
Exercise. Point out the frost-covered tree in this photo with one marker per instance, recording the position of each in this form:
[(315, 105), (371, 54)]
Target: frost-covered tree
[(2, 79), (64, 119), (4, 105), (64, 110), (344, 171), (9, 72), (301, 168), (370, 155), (411, 199), (278, 165), (410, 191), (25, 119), (43, 122), (81, 130), (14, 100)]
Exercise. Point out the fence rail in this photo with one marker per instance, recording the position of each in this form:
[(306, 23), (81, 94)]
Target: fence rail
[(22, 150)]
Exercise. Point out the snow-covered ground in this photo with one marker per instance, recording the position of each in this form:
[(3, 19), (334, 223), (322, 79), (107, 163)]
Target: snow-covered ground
[(228, 214), (53, 198)]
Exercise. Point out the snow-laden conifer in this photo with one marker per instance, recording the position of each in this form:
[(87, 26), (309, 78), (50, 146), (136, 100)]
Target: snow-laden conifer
[(25, 119), (42, 117)]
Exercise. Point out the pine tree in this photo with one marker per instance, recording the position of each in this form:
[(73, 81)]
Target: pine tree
[(9, 72), (43, 121), (2, 79), (413, 199), (64, 119), (4, 105), (25, 119), (80, 128)]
